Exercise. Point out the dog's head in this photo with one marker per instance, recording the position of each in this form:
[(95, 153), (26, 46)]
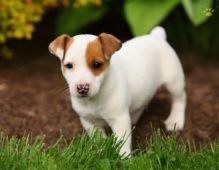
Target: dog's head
[(84, 60)]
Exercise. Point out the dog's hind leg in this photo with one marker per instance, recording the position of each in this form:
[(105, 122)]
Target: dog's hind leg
[(176, 119), (173, 80)]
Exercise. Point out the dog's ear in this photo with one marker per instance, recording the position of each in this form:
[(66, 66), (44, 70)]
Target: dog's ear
[(59, 46), (110, 44)]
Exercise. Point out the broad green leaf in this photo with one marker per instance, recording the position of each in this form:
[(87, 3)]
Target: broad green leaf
[(71, 20), (195, 10), (143, 15)]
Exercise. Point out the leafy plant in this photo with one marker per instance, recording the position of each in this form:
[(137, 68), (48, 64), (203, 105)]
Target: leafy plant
[(148, 13), (184, 19), (151, 13), (195, 10), (17, 17), (72, 20)]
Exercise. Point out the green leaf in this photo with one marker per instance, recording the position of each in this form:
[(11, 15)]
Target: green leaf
[(143, 15), (195, 10), (71, 20)]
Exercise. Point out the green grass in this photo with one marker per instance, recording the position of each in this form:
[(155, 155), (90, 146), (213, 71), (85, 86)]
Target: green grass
[(162, 152)]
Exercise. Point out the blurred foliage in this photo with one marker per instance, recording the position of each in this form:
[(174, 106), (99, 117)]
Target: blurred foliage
[(71, 21), (152, 13), (148, 15), (195, 10), (202, 39), (189, 23), (17, 18)]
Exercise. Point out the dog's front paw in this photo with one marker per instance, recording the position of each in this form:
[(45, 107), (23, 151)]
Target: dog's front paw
[(125, 152), (172, 124)]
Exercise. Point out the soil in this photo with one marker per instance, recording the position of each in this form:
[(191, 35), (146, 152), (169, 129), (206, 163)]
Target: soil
[(34, 100), (34, 97)]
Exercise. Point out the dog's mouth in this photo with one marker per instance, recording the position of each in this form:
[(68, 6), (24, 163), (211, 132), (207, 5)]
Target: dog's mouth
[(83, 95), (79, 95)]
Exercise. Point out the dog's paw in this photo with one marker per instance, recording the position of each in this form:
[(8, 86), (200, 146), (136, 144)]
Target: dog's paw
[(125, 152), (173, 124)]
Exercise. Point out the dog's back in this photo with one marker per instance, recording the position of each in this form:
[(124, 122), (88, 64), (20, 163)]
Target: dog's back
[(140, 59)]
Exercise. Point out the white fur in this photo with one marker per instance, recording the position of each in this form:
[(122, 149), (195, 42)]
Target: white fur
[(120, 94)]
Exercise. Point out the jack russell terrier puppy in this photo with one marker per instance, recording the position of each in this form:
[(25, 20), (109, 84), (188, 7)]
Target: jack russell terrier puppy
[(112, 83)]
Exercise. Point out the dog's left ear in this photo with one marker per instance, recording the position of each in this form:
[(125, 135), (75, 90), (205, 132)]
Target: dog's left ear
[(110, 44), (59, 46)]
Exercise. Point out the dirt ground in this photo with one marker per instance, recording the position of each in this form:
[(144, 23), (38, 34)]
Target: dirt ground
[(34, 100)]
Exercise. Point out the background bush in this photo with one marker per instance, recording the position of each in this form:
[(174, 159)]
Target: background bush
[(17, 17), (188, 22)]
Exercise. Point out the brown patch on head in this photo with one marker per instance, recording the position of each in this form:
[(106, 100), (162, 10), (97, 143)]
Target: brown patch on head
[(100, 50), (61, 43), (94, 53)]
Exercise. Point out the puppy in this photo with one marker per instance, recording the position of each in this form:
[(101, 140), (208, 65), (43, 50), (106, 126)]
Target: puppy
[(111, 83)]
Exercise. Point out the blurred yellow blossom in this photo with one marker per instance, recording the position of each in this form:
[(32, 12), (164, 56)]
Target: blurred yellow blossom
[(79, 3), (17, 17)]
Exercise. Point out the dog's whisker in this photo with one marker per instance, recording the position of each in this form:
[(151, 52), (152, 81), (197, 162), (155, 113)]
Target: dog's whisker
[(62, 90)]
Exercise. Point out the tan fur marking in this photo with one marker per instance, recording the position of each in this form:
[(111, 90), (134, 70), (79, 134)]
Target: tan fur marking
[(100, 50), (110, 44), (63, 42), (69, 42), (94, 53)]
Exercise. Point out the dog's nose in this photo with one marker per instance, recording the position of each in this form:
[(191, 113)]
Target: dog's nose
[(83, 89)]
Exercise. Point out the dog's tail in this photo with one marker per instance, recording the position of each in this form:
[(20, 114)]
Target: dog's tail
[(158, 32)]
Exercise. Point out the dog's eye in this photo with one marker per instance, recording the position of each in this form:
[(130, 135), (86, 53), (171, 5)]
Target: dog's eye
[(69, 66), (97, 65)]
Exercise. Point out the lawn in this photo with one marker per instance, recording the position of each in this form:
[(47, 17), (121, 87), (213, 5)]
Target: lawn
[(162, 152)]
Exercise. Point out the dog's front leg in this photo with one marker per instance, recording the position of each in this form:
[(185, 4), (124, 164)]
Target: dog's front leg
[(90, 127), (121, 126)]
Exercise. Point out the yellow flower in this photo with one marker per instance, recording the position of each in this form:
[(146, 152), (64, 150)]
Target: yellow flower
[(76, 4)]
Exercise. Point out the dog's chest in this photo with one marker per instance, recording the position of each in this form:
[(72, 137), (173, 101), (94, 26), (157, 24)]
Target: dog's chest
[(90, 111), (87, 108)]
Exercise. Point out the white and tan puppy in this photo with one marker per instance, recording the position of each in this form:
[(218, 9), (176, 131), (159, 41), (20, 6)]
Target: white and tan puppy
[(111, 83)]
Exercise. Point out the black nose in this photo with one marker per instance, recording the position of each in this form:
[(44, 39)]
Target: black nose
[(83, 89)]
